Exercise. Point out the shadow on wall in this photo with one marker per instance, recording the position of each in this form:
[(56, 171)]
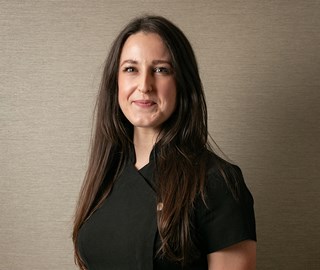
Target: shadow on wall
[(287, 150)]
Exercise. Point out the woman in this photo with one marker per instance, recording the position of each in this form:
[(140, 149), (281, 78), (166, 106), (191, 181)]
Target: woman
[(155, 196)]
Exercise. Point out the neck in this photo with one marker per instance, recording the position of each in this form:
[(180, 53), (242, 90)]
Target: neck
[(144, 140)]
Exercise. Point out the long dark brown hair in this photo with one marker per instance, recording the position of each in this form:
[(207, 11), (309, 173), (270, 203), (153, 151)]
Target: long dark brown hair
[(181, 149)]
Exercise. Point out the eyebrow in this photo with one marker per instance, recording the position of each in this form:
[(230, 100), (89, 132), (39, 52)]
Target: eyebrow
[(154, 62), (161, 62), (129, 61)]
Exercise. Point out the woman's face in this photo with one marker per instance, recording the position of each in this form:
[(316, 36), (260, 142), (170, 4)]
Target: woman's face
[(146, 83)]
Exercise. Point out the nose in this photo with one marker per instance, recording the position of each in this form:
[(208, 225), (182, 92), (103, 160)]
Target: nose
[(145, 82)]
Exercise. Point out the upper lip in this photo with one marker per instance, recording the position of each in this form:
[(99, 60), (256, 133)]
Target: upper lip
[(144, 101)]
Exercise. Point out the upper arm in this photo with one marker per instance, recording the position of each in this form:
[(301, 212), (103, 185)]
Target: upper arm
[(240, 256), (223, 220)]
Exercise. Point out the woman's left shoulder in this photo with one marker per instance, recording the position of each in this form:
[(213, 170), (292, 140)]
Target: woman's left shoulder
[(225, 213), (219, 171)]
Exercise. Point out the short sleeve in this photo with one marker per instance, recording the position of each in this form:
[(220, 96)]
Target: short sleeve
[(226, 217)]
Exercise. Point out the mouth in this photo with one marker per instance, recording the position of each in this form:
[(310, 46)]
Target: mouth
[(144, 103)]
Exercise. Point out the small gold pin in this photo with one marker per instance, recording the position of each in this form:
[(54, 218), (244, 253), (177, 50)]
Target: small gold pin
[(159, 206)]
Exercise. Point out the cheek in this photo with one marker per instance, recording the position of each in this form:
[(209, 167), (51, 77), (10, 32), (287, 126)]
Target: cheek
[(125, 86), (120, 86), (170, 95), (121, 96), (122, 89)]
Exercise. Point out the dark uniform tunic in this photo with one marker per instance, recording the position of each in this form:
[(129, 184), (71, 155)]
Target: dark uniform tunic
[(122, 233)]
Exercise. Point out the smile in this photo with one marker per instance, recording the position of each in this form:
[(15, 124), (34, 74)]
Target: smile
[(144, 103)]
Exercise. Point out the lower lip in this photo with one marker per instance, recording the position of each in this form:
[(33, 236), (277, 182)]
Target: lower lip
[(144, 104)]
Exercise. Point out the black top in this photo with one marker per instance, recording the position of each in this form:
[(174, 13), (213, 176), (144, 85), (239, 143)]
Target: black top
[(122, 233)]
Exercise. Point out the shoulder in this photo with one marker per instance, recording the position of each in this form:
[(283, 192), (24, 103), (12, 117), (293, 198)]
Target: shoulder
[(225, 215), (224, 177)]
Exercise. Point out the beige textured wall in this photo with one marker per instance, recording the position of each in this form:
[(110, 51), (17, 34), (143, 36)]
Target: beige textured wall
[(260, 64)]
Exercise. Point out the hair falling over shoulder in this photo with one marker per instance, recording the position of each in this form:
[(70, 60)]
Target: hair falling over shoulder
[(181, 150)]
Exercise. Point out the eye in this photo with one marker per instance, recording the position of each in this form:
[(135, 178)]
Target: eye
[(163, 70), (129, 69)]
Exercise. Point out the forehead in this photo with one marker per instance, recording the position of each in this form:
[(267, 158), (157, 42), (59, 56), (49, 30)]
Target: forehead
[(142, 46)]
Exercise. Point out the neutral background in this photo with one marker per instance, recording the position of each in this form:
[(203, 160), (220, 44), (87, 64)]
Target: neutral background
[(260, 65)]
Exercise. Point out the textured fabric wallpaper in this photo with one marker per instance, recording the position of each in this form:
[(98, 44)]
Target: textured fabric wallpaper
[(260, 65)]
